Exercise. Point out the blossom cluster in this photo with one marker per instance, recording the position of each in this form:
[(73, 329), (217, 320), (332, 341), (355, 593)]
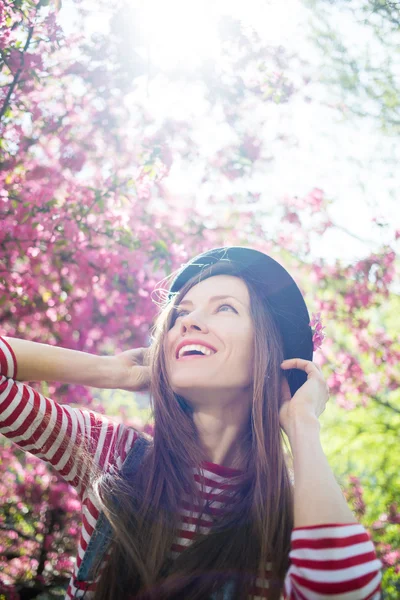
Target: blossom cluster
[(317, 329)]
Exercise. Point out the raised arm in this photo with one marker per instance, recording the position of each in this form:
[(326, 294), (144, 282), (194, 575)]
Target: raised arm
[(331, 554), (41, 362), (53, 432)]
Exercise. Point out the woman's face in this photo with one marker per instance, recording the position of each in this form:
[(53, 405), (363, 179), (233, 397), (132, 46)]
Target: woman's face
[(222, 323)]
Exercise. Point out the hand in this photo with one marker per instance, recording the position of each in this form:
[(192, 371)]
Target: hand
[(130, 370), (309, 401)]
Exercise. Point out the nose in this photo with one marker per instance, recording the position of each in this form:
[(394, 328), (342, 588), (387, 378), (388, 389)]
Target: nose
[(192, 322)]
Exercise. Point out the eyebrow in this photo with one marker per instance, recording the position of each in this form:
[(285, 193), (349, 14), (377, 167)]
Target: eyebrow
[(212, 299)]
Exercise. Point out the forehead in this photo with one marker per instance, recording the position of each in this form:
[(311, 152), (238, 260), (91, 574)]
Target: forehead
[(217, 285)]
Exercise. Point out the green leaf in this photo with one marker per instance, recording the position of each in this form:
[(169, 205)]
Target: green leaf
[(161, 246)]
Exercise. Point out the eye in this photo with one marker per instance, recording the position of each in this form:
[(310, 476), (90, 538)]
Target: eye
[(230, 306), (179, 312)]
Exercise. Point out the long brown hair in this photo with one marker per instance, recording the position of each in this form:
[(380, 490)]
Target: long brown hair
[(256, 527)]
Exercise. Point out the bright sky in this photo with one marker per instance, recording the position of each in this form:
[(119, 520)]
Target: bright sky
[(354, 163)]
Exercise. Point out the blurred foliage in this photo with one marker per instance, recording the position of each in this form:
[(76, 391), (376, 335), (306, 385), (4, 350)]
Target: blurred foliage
[(68, 255), (360, 70), (365, 441)]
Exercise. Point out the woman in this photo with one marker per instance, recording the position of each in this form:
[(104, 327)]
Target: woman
[(207, 508)]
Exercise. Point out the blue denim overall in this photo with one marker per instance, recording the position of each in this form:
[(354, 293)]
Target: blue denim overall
[(102, 534)]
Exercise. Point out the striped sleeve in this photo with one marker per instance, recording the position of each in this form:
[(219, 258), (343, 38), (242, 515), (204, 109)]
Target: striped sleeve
[(8, 362), (55, 433), (335, 561)]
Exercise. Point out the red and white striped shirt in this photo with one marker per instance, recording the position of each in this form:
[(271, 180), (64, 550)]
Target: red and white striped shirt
[(335, 561)]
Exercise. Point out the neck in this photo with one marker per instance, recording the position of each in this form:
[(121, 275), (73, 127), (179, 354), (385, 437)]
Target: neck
[(223, 433)]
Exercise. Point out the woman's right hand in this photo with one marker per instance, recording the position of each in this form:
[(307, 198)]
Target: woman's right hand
[(130, 370)]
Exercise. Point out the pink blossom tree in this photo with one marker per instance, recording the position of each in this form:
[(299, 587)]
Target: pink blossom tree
[(89, 226)]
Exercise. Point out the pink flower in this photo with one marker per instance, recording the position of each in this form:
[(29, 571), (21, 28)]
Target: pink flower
[(318, 334), (391, 558), (251, 147)]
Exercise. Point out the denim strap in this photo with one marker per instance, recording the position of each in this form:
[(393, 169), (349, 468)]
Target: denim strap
[(102, 534), (229, 591)]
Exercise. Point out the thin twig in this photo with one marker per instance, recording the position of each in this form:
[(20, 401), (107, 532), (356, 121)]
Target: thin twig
[(17, 74), (385, 404), (354, 235)]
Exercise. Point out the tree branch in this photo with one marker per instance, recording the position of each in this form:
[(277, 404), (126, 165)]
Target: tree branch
[(385, 404), (354, 235), (17, 74)]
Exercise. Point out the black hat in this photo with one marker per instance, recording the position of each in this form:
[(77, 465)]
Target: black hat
[(280, 291)]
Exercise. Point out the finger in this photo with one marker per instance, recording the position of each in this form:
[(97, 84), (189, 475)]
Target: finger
[(144, 378), (140, 356), (300, 363), (141, 381), (146, 356)]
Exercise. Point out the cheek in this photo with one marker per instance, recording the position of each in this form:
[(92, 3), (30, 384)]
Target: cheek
[(245, 346), (170, 341), (241, 348)]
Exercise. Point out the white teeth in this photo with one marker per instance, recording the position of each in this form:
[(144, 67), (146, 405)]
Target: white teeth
[(203, 349)]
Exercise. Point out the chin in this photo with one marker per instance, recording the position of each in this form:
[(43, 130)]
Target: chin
[(188, 383)]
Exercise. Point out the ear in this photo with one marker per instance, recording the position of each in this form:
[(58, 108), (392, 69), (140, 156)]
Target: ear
[(286, 396)]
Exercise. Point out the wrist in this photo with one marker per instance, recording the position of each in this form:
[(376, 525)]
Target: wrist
[(303, 425), (106, 373)]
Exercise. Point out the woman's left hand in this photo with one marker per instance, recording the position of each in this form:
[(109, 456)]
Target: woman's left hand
[(309, 401)]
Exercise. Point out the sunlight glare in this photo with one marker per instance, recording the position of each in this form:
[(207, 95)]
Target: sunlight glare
[(179, 34)]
